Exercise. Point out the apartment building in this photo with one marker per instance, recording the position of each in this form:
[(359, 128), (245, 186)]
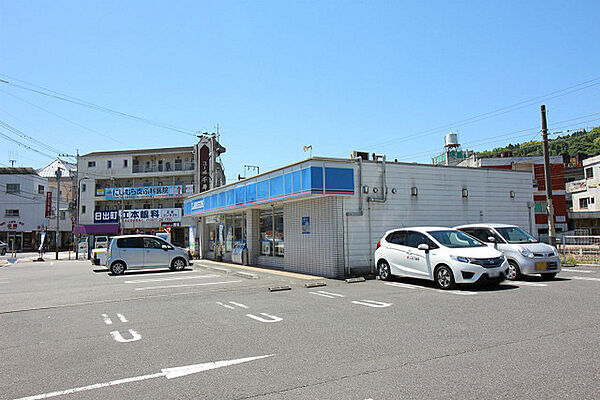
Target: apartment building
[(140, 191), (586, 198), (535, 165), (22, 207)]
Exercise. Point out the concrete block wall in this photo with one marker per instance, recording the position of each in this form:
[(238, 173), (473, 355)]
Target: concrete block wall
[(321, 251)]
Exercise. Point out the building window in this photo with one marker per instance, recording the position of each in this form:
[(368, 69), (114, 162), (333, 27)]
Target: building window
[(83, 187), (109, 164), (583, 203), (63, 215), (271, 232), (83, 209), (592, 200), (589, 173), (41, 189), (124, 163), (11, 213), (13, 188), (91, 164), (541, 207)]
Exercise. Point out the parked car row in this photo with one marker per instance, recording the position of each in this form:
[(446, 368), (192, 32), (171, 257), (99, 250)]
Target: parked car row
[(474, 253)]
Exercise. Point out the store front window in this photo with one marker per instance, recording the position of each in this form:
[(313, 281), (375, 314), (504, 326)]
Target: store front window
[(271, 232), (226, 231)]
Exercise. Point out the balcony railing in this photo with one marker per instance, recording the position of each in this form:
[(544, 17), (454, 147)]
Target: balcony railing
[(182, 166)]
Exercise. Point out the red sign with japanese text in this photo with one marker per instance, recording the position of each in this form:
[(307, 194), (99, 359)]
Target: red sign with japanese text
[(48, 204)]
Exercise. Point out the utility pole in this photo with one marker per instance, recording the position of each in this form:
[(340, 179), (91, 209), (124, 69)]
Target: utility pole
[(77, 201), (58, 175), (548, 179)]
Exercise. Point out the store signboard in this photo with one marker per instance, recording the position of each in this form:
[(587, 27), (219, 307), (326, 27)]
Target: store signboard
[(152, 215), (204, 168), (48, 204), (143, 192), (106, 217)]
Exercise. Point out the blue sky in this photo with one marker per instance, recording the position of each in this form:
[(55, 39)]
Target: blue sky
[(380, 76)]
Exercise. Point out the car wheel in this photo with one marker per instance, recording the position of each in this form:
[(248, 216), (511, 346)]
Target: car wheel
[(444, 278), (514, 272), (117, 268), (549, 276), (384, 271), (178, 264)]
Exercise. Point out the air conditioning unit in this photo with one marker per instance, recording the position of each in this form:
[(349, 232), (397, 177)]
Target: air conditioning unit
[(359, 154)]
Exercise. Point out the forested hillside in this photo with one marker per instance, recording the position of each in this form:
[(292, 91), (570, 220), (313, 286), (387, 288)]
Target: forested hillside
[(587, 142)]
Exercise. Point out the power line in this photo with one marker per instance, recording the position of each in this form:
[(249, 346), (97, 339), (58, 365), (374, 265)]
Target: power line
[(24, 145), (496, 112), (74, 100), (65, 119), (16, 131)]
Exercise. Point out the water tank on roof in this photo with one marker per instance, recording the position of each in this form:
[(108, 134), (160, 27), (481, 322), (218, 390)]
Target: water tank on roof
[(452, 139)]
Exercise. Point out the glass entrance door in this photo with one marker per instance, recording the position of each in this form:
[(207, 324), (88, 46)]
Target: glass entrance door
[(15, 241)]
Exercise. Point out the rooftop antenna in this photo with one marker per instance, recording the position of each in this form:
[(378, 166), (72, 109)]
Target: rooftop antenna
[(307, 148), (12, 157)]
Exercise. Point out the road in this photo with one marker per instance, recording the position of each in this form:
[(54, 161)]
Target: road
[(73, 332)]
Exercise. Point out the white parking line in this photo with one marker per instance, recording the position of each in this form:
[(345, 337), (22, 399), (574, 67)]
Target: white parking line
[(238, 304), (523, 283), (107, 320), (225, 305), (372, 303), (322, 295), (173, 279), (122, 318), (188, 285), (331, 294), (409, 286), (585, 278), (580, 271), (270, 318)]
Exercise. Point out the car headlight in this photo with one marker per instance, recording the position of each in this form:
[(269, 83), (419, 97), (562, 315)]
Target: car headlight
[(555, 251), (525, 253), (460, 259)]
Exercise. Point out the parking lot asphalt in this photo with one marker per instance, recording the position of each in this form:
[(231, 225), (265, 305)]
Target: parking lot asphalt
[(74, 332)]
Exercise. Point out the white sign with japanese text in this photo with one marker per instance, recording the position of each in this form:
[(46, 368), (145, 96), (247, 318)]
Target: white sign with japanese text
[(152, 215)]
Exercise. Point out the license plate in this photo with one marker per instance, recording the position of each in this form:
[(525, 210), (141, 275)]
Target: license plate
[(493, 274), (541, 265)]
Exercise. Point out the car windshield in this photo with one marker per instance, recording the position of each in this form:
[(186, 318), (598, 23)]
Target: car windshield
[(516, 235), (455, 239)]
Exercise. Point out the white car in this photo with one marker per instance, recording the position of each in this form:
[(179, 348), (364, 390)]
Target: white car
[(443, 255), (144, 251), (99, 257), (101, 242), (3, 248), (525, 254)]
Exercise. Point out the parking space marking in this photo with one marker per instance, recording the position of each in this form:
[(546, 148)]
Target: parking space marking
[(409, 286), (122, 318), (270, 318), (322, 295), (581, 271), (107, 320), (585, 278), (524, 283), (173, 279), (238, 304), (372, 303), (225, 305), (119, 338), (330, 294), (187, 285)]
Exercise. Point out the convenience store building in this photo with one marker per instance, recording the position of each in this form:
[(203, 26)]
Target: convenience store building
[(324, 216)]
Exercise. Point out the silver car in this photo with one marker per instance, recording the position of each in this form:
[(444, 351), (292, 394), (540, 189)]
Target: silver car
[(525, 254), (3, 248), (130, 252)]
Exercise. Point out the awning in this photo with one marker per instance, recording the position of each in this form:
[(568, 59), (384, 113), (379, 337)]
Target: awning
[(95, 229)]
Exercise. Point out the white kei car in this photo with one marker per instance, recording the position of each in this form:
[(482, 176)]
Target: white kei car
[(443, 255)]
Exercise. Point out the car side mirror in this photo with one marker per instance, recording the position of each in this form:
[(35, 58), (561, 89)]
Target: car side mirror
[(424, 247), (491, 239), (165, 247)]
